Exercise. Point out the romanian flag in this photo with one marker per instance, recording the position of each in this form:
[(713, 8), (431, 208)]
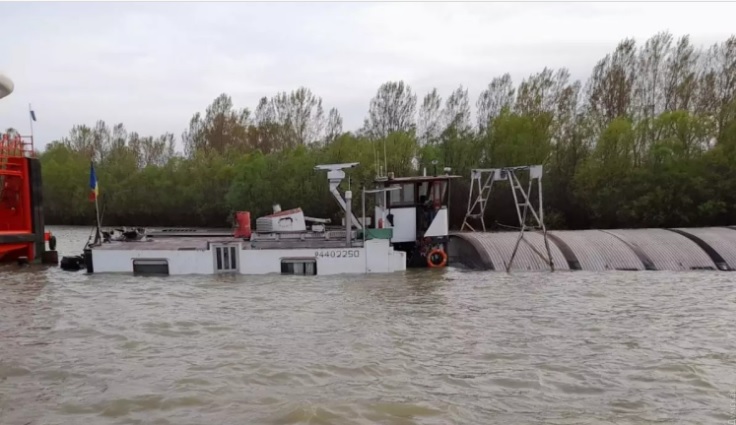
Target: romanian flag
[(94, 190)]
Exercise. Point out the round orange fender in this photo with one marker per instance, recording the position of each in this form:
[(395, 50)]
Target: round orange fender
[(432, 253)]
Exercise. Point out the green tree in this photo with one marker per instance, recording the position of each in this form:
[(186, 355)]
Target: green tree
[(648, 140)]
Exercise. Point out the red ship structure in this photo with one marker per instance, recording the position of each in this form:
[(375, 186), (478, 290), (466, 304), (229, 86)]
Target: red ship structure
[(23, 238)]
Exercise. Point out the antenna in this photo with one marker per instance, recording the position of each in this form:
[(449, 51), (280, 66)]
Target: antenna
[(375, 160), (385, 157)]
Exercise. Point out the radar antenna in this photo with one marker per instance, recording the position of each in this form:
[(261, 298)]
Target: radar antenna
[(335, 175)]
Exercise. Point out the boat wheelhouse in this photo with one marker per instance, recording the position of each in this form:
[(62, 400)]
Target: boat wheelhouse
[(417, 211)]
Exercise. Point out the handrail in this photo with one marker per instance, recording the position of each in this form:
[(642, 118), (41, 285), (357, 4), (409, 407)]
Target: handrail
[(15, 146)]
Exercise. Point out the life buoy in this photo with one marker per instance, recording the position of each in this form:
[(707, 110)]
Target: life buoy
[(431, 255)]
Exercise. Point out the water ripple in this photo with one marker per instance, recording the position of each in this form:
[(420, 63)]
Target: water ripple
[(422, 347)]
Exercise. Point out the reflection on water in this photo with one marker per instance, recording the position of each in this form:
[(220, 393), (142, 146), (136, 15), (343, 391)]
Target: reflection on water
[(425, 347)]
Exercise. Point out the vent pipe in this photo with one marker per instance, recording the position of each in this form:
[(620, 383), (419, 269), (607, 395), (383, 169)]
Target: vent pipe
[(348, 218)]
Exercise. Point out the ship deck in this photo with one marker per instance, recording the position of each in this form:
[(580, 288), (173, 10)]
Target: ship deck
[(188, 243), (166, 244)]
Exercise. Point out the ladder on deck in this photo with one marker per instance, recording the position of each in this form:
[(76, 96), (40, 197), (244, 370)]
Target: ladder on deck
[(483, 179), (477, 206)]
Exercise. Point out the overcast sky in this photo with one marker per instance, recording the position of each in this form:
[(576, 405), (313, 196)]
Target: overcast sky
[(151, 66)]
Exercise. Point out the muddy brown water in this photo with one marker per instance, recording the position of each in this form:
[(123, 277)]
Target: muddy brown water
[(422, 347)]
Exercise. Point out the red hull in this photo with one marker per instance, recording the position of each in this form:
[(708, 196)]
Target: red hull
[(11, 252)]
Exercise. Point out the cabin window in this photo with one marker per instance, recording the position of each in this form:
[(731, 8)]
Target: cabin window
[(403, 196), (226, 258), (151, 266), (423, 189), (414, 193), (438, 192), (299, 266)]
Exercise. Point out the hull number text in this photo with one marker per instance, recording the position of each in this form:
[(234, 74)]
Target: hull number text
[(338, 253)]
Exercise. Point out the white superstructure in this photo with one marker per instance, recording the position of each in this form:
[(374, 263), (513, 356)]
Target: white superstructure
[(283, 243)]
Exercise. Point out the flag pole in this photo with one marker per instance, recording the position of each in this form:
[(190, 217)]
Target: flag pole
[(94, 187), (98, 235), (30, 120)]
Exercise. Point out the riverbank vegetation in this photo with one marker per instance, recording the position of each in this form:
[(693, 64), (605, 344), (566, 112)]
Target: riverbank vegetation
[(648, 140)]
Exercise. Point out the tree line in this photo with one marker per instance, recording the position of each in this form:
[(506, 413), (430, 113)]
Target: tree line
[(649, 140)]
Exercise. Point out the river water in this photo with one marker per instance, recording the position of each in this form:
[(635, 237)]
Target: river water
[(425, 347)]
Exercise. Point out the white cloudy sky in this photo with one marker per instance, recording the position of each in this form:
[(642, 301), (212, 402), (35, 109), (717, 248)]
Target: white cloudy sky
[(151, 66)]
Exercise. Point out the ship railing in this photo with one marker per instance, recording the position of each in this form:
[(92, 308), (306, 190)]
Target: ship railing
[(14, 145), (301, 235)]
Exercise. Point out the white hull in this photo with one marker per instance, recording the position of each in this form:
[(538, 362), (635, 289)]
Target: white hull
[(376, 256)]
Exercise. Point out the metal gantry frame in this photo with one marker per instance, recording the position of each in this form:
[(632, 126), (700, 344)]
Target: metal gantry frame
[(483, 179)]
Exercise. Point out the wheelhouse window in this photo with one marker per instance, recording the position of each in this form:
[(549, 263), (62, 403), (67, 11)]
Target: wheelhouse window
[(438, 192), (418, 193), (402, 197)]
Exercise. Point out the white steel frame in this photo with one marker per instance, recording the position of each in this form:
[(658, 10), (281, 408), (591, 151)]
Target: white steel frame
[(483, 179)]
